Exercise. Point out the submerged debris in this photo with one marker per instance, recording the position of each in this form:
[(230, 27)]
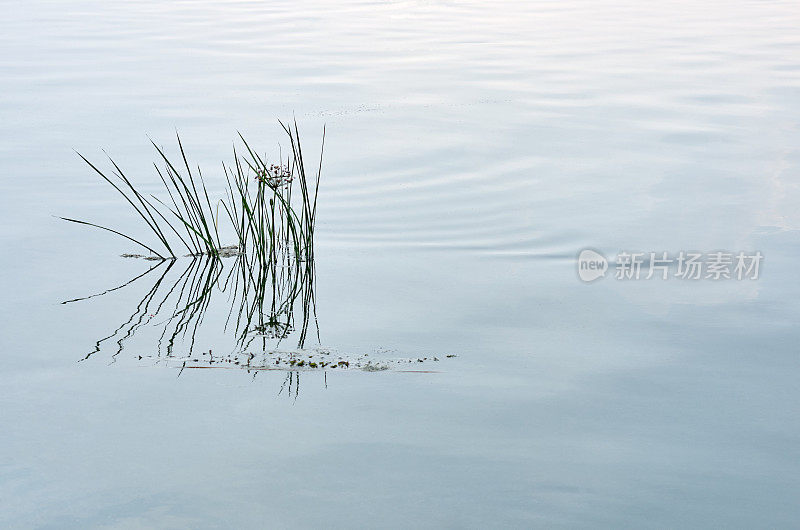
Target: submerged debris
[(316, 359), (369, 367), (229, 251), (142, 256)]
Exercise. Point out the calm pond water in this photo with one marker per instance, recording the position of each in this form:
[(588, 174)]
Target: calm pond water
[(472, 150)]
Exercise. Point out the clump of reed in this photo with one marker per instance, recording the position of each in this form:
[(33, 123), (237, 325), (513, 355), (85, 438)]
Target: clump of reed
[(271, 207), (272, 219)]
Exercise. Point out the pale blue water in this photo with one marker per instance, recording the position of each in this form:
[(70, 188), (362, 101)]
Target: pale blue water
[(473, 148)]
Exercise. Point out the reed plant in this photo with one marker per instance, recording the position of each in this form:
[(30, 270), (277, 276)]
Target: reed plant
[(271, 207)]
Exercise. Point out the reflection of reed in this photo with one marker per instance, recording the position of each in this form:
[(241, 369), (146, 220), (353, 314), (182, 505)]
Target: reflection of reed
[(293, 378), (263, 300), (266, 295)]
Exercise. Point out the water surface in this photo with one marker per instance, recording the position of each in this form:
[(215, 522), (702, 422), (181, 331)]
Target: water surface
[(473, 148)]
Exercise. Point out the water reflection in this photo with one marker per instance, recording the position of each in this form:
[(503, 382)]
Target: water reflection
[(267, 301), (261, 305)]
